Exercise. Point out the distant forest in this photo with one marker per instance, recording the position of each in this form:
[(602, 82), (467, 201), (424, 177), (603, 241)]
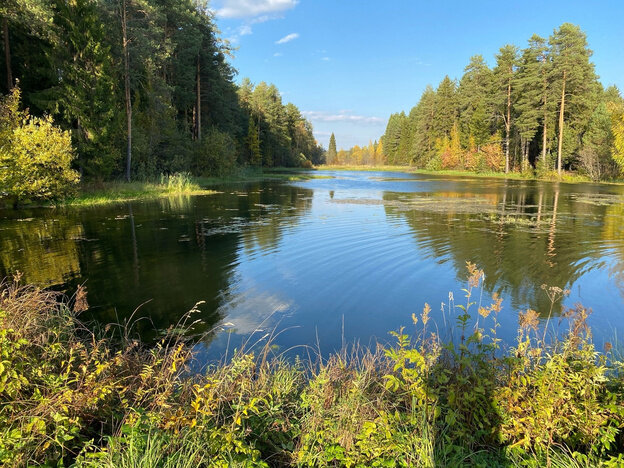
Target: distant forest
[(145, 88), (540, 108)]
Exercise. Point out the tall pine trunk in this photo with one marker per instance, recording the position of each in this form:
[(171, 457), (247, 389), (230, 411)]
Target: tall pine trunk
[(508, 126), (7, 53), (545, 103), (561, 110), (544, 139), (126, 53), (198, 117)]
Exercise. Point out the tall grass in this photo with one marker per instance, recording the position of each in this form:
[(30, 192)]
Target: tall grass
[(118, 191), (69, 395)]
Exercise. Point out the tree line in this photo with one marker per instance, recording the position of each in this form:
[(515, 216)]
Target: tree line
[(145, 87), (539, 108)]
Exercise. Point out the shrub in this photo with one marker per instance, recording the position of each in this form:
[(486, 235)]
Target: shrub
[(61, 386), (216, 155), (35, 155), (494, 156), (67, 395)]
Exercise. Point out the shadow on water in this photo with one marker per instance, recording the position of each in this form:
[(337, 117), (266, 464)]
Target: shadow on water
[(161, 256), (360, 249)]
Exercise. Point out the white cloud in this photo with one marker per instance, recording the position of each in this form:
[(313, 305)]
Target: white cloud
[(341, 116), (277, 54), (253, 311), (251, 8), (264, 19), (234, 34), (285, 39), (244, 30), (325, 59)]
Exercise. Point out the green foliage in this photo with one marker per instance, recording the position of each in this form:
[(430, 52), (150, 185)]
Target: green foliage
[(35, 155), (474, 89), (253, 144), (73, 63), (67, 396), (616, 111), (217, 154), (277, 133), (513, 106), (331, 150)]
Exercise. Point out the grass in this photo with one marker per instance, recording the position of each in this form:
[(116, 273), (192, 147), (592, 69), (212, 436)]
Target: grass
[(68, 395), (178, 184), (567, 177), (118, 191), (93, 194)]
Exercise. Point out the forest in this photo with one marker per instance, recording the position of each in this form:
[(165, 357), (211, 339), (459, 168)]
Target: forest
[(144, 88), (541, 108)]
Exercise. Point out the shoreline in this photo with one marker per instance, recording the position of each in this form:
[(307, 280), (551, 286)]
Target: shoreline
[(118, 191), (567, 178)]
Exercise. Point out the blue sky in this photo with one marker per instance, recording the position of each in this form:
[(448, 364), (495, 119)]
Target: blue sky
[(348, 64)]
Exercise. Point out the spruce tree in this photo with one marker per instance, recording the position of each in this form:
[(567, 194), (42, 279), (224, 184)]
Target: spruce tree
[(423, 144), (533, 104), (445, 109), (253, 143), (331, 151), (474, 88)]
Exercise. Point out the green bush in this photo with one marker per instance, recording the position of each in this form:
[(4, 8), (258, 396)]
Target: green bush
[(216, 154), (35, 155)]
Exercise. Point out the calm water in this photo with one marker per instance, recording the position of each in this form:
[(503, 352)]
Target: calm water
[(357, 252)]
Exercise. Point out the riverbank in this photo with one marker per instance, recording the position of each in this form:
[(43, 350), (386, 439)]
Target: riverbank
[(119, 191), (179, 184), (107, 400), (567, 177), (102, 193)]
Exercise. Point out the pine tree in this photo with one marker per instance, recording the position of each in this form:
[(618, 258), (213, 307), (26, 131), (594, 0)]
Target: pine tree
[(506, 61), (575, 79)]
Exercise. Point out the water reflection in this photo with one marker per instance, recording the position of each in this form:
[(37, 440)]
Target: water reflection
[(366, 249), (164, 256), (522, 235), (45, 250)]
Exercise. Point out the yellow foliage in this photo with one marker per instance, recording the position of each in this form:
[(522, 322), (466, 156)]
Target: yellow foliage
[(450, 150), (617, 127), (494, 156)]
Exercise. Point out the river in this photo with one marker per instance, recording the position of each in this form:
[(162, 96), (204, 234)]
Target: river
[(345, 258)]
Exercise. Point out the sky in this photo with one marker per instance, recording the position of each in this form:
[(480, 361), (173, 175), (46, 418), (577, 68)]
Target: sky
[(348, 64)]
